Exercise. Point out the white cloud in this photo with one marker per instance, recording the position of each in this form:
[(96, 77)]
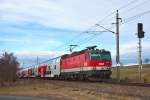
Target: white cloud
[(27, 41), (28, 58), (31, 54), (10, 40), (53, 42), (69, 14), (132, 47), (75, 14)]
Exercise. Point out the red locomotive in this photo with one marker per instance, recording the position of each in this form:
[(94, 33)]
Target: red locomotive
[(88, 63), (85, 64)]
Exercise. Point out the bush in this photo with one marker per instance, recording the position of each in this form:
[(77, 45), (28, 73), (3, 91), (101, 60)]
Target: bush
[(8, 67)]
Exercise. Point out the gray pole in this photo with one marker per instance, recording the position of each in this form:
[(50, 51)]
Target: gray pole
[(140, 60), (37, 60), (117, 46)]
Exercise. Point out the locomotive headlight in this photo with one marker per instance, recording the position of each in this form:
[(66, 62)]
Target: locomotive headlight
[(101, 64)]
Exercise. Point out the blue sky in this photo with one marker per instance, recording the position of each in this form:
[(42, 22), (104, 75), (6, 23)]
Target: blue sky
[(43, 28)]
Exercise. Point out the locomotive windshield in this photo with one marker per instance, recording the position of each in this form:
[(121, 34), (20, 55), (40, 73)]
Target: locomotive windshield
[(100, 56), (95, 56), (106, 56)]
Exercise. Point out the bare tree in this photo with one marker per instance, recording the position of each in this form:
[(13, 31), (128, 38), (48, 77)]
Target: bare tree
[(8, 67)]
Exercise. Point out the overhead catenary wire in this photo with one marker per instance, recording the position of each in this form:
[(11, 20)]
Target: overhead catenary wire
[(135, 17), (128, 4), (103, 19), (120, 8), (106, 17), (43, 62), (136, 6)]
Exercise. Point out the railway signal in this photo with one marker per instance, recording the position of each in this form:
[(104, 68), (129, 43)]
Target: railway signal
[(140, 30), (140, 36)]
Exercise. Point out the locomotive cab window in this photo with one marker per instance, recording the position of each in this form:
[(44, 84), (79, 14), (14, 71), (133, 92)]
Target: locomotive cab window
[(106, 56), (95, 56)]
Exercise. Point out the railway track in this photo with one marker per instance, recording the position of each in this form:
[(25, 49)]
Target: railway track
[(124, 82), (114, 82), (106, 81)]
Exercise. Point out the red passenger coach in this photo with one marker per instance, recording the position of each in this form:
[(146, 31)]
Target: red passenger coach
[(30, 72), (88, 63), (41, 71)]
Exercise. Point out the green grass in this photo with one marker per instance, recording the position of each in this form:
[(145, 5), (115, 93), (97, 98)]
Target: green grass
[(132, 72)]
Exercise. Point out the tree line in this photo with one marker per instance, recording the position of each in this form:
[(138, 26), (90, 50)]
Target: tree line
[(8, 67)]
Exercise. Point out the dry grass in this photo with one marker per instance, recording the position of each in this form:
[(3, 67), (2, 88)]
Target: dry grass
[(63, 90), (83, 91), (132, 72)]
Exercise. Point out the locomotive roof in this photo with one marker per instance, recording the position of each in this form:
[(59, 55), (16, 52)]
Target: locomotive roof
[(81, 52), (73, 54)]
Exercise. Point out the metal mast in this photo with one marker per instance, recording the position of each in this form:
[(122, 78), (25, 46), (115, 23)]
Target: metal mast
[(140, 59), (117, 46)]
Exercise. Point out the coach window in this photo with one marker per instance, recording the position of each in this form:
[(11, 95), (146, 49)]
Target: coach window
[(55, 67)]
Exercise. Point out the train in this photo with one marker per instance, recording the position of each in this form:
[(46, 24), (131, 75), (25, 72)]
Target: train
[(89, 63)]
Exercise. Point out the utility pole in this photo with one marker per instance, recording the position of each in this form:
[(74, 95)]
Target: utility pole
[(117, 46), (117, 43), (37, 60)]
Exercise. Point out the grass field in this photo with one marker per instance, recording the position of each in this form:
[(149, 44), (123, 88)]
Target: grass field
[(66, 90), (132, 72)]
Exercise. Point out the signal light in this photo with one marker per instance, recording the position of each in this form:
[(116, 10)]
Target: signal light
[(140, 30)]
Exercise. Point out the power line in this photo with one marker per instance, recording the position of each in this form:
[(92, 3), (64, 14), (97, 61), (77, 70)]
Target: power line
[(128, 19), (135, 17), (80, 34), (120, 8), (103, 19), (89, 40), (44, 61), (136, 6), (128, 4), (77, 36), (73, 39)]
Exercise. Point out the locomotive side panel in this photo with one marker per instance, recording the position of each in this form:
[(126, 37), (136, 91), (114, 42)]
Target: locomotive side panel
[(73, 63)]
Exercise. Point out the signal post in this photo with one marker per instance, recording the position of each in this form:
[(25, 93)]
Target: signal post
[(140, 36)]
